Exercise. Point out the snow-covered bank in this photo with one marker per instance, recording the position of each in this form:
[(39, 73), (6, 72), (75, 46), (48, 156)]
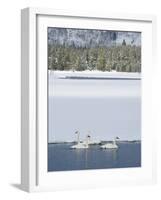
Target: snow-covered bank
[(94, 73), (94, 84)]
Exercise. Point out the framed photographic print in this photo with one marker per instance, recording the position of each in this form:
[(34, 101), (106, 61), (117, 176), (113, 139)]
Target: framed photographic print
[(86, 99)]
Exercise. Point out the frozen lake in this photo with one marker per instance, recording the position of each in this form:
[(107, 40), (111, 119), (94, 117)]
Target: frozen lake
[(106, 104)]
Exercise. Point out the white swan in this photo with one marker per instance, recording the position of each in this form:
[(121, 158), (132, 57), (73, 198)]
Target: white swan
[(81, 145), (112, 145)]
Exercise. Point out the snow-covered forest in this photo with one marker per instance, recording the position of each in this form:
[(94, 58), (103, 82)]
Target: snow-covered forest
[(73, 49), (120, 58)]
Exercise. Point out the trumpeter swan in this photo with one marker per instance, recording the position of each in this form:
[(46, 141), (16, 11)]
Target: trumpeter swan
[(81, 145), (112, 145)]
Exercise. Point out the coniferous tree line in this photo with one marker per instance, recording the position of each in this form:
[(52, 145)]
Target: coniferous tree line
[(123, 58)]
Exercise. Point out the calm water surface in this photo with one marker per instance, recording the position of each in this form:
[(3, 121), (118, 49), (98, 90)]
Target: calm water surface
[(62, 158)]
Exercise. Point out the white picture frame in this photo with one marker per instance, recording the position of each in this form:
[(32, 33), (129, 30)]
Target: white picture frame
[(34, 176)]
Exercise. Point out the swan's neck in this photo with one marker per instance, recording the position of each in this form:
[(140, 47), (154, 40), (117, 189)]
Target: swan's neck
[(78, 138), (87, 140)]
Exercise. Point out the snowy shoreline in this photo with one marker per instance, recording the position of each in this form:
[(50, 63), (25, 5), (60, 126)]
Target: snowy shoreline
[(94, 74), (94, 84)]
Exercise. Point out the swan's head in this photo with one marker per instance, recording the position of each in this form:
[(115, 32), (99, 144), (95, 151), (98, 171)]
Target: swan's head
[(117, 138)]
